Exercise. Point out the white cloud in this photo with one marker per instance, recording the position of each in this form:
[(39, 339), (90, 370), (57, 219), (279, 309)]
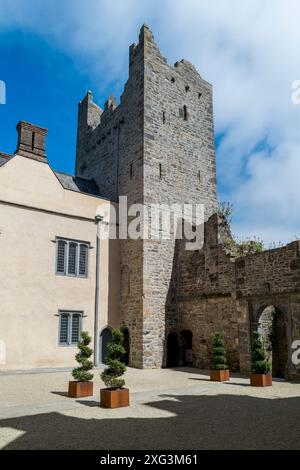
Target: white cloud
[(248, 50)]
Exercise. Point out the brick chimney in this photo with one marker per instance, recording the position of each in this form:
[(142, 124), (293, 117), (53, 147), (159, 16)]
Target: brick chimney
[(31, 141)]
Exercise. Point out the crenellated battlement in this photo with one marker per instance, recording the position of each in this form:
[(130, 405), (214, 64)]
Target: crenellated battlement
[(146, 51)]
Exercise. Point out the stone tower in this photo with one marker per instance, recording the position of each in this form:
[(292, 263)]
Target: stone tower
[(155, 147)]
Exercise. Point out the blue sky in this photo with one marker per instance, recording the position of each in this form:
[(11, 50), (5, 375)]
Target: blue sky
[(43, 86), (52, 52)]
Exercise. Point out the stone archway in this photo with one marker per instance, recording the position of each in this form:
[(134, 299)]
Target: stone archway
[(272, 325), (105, 337)]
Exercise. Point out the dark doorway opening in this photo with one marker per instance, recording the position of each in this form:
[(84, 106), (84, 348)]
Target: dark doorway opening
[(186, 347), (172, 350), (273, 328), (104, 339), (279, 345)]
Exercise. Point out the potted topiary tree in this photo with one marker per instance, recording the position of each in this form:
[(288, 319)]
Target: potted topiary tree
[(114, 395), (82, 385), (260, 367), (219, 370)]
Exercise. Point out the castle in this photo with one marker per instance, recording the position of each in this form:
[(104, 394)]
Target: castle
[(157, 147)]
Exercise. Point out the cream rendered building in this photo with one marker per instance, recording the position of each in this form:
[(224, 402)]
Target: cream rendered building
[(49, 288)]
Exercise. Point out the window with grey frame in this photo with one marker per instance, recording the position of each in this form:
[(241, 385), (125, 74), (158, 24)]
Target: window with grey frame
[(72, 258), (70, 327)]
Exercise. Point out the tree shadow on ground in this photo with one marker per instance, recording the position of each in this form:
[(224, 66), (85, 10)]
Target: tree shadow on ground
[(194, 422)]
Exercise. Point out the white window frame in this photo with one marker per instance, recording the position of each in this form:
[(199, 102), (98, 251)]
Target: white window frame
[(70, 314), (78, 243)]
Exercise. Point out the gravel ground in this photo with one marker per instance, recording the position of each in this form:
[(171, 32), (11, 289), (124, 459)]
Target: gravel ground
[(170, 409)]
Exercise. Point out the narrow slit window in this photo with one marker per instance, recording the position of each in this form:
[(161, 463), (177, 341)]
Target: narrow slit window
[(164, 117), (32, 140), (131, 170), (160, 171), (185, 113)]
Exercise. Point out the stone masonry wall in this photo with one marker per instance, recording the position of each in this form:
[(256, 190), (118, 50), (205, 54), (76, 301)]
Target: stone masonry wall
[(157, 147), (146, 150), (179, 167), (217, 292)]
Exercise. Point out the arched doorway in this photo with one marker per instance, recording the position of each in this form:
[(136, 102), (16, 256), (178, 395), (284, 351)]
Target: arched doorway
[(172, 350), (186, 337), (272, 326), (104, 339), (126, 343)]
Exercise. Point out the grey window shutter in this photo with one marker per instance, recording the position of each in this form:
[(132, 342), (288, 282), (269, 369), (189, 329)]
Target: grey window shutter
[(60, 256), (83, 258), (64, 328), (75, 334), (72, 258)]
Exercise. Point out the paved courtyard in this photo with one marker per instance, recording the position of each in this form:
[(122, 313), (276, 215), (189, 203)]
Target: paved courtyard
[(170, 409)]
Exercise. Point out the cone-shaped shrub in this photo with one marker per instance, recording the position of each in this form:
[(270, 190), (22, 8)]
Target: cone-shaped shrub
[(219, 361), (259, 363), (111, 376), (82, 373)]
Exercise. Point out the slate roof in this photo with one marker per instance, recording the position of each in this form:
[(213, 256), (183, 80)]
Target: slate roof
[(76, 183)]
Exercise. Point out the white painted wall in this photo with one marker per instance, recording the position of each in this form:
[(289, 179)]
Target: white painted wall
[(31, 294)]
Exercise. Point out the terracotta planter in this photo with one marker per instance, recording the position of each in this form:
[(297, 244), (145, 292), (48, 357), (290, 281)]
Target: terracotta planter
[(219, 375), (80, 389), (114, 398), (261, 380)]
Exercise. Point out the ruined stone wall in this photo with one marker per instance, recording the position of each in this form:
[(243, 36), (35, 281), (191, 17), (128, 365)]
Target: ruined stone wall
[(217, 292), (209, 271), (204, 317), (276, 270), (205, 297)]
